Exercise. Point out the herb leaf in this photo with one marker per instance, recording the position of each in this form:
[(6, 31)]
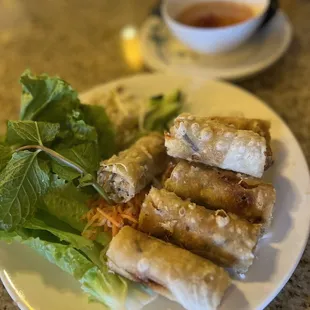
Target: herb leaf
[(74, 240), (85, 155), (22, 183), (163, 108), (67, 203), (97, 117), (5, 155), (27, 132), (64, 256), (46, 98)]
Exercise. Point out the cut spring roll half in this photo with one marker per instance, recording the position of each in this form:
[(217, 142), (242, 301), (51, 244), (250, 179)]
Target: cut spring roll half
[(210, 142), (261, 127), (248, 197), (194, 282), (125, 175), (216, 235)]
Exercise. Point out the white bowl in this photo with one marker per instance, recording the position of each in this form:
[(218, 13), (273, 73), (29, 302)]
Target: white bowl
[(212, 40)]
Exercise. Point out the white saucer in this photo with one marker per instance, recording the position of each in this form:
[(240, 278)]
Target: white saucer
[(162, 52)]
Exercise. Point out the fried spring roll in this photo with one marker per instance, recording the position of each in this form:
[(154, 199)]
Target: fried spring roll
[(210, 142), (248, 197), (125, 175), (194, 282), (262, 127), (216, 235)]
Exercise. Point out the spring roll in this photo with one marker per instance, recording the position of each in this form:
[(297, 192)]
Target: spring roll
[(125, 175), (210, 142), (194, 282), (214, 188), (221, 237), (262, 127)]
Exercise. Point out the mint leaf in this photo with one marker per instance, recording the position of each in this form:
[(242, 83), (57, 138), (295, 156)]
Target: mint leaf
[(46, 98), (97, 117), (22, 183), (85, 155), (5, 155), (27, 132), (64, 172), (80, 130)]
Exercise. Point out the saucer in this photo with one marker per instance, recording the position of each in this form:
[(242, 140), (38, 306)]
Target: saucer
[(163, 52)]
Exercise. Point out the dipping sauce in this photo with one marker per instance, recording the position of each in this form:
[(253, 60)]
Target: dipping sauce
[(215, 14)]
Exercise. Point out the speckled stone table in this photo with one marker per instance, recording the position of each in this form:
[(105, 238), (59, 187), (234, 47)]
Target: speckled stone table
[(80, 41)]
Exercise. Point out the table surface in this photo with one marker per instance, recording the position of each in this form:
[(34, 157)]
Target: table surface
[(80, 41)]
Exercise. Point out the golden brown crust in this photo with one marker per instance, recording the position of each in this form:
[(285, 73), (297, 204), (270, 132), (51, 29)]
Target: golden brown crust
[(200, 139), (248, 197), (126, 174), (219, 236), (262, 127), (193, 281)]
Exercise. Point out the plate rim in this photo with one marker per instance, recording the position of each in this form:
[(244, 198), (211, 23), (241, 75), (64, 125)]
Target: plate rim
[(155, 64), (23, 304)]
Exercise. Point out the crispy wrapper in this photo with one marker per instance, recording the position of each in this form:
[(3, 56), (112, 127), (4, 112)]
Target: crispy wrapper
[(210, 142), (216, 235), (125, 175), (194, 282), (262, 127), (248, 197)]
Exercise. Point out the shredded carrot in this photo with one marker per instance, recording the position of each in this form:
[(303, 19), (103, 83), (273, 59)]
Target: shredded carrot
[(111, 218), (128, 217)]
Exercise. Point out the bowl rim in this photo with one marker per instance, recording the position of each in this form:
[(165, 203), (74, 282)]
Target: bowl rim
[(168, 18)]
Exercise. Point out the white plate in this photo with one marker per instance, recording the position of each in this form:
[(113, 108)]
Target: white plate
[(162, 52), (36, 284)]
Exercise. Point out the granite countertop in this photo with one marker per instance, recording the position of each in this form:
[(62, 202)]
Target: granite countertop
[(79, 40)]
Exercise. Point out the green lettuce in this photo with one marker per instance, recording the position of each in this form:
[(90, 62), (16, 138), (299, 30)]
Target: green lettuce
[(111, 290), (51, 99), (96, 116), (47, 99), (48, 165), (162, 109), (68, 203), (74, 239)]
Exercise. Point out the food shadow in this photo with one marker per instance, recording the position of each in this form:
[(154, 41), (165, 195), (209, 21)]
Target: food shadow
[(287, 197), (239, 300)]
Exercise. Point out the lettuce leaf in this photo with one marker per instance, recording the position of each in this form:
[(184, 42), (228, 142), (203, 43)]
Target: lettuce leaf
[(105, 287), (51, 99), (65, 257), (111, 290), (96, 116), (162, 109), (69, 204), (45, 98), (75, 240)]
